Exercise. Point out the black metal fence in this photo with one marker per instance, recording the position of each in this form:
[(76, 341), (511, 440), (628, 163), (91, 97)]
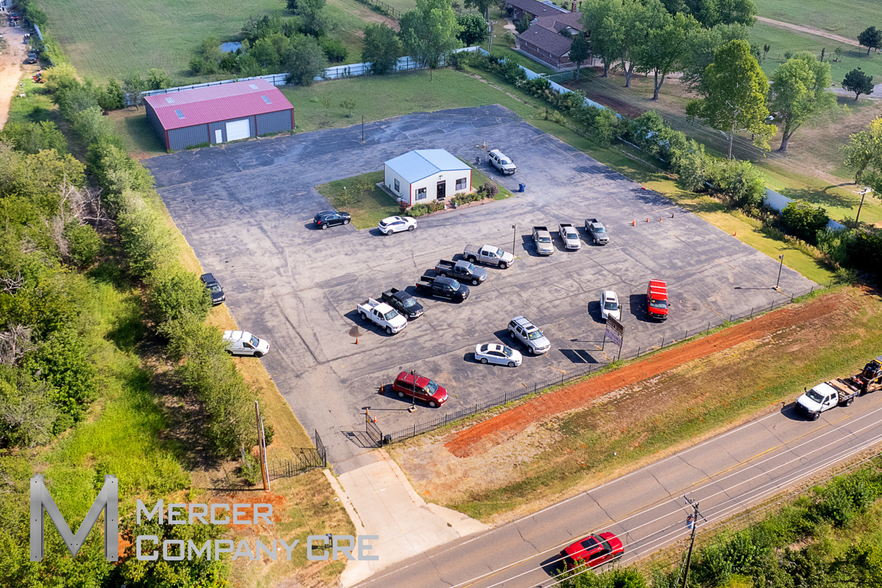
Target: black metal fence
[(542, 387), (306, 458), (373, 429)]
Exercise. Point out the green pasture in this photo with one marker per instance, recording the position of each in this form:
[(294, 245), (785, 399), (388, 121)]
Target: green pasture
[(784, 40), (846, 18)]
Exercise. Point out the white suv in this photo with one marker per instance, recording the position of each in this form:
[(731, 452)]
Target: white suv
[(529, 334), (501, 162)]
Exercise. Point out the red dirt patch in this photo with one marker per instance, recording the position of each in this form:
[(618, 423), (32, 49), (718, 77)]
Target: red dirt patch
[(496, 430)]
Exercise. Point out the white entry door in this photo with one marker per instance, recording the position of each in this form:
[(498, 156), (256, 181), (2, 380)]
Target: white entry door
[(238, 129), (218, 136)]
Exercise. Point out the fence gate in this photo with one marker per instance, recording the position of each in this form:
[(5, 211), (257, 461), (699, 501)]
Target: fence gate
[(372, 429), (322, 452)]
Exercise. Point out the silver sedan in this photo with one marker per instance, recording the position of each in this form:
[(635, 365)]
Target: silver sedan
[(498, 354)]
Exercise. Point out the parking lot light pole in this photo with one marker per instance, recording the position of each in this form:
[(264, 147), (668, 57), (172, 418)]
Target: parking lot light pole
[(780, 267), (514, 238)]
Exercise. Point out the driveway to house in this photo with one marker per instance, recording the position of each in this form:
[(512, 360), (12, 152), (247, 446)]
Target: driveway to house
[(247, 211)]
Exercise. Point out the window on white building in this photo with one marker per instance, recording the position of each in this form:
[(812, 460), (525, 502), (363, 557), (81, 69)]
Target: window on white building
[(397, 185), (421, 194), (460, 184)]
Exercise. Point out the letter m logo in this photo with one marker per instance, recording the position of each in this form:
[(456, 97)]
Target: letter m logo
[(108, 501)]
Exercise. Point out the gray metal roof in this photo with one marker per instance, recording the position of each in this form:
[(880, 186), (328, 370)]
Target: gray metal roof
[(423, 163)]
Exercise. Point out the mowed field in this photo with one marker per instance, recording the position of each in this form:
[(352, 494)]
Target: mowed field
[(843, 17), (109, 38)]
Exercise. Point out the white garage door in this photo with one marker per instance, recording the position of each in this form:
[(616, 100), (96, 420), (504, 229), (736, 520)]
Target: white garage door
[(238, 129)]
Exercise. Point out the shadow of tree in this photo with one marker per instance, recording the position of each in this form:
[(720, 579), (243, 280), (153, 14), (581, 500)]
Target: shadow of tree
[(825, 197)]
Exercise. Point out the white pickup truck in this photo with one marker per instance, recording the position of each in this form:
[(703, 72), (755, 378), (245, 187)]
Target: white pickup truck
[(382, 315), (244, 343), (488, 254), (570, 236)]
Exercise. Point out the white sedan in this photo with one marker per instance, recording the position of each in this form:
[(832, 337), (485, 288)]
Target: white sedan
[(609, 305), (498, 354), (397, 224)]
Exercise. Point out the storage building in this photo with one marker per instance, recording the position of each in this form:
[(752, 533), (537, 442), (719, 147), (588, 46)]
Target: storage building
[(423, 175), (218, 114)]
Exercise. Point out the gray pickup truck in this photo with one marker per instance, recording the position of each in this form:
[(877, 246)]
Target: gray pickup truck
[(464, 271), (596, 231)]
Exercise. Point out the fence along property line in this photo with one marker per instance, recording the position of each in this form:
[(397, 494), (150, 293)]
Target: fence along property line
[(307, 458), (541, 388)]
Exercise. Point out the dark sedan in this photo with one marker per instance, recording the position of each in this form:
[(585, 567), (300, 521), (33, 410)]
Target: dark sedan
[(214, 288), (329, 218)]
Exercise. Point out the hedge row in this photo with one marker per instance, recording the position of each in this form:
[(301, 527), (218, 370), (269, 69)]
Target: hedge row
[(177, 302)]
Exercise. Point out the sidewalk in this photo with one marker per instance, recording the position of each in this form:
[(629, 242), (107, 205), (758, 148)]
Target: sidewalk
[(380, 501)]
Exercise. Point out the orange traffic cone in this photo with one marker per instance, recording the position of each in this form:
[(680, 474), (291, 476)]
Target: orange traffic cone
[(672, 215), (659, 219), (647, 219), (634, 222)]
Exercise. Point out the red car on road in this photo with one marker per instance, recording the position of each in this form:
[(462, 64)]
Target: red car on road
[(421, 388), (592, 551)]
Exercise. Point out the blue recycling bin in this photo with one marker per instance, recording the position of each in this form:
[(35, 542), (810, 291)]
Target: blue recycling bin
[(522, 187)]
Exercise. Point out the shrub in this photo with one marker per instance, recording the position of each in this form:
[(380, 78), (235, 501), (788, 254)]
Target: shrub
[(692, 165), (176, 293), (84, 244), (804, 221), (334, 50)]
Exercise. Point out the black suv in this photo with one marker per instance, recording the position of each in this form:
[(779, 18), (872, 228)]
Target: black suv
[(214, 288), (329, 218), (31, 58)]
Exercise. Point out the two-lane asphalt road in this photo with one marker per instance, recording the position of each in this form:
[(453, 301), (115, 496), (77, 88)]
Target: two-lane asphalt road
[(646, 508)]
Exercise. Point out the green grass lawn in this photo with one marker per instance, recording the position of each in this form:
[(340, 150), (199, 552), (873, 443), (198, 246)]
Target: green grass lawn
[(784, 40), (109, 38), (366, 203), (846, 18), (380, 97)]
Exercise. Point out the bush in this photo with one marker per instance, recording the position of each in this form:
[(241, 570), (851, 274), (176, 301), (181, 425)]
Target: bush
[(741, 183), (804, 221), (334, 50), (692, 165), (249, 470), (84, 244), (176, 293)]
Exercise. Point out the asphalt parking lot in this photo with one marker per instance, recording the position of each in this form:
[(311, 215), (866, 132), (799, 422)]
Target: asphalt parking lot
[(247, 210)]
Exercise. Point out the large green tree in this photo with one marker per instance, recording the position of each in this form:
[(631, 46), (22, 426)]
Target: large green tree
[(871, 38), (711, 13), (734, 90), (663, 49), (603, 20), (863, 154), (701, 46), (639, 18), (483, 6), (428, 33), (799, 92), (381, 48), (472, 29), (306, 60)]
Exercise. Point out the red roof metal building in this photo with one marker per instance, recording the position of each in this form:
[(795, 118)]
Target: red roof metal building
[(218, 114)]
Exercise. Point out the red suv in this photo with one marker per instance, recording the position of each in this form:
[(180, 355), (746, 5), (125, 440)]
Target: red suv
[(421, 388), (593, 551)]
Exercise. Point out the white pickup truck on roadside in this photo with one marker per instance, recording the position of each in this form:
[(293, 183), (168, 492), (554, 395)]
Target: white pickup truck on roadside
[(382, 315)]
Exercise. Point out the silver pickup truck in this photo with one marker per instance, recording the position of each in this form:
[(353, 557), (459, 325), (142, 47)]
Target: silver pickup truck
[(488, 254)]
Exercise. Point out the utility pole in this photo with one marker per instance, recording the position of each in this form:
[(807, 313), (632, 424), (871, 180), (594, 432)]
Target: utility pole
[(692, 524), (863, 193)]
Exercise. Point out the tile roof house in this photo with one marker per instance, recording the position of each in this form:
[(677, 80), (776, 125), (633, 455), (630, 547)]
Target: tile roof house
[(549, 38), (532, 8)]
